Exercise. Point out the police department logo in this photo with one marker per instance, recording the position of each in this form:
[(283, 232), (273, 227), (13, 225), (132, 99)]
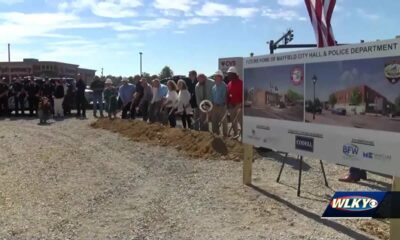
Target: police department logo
[(392, 72), (297, 75)]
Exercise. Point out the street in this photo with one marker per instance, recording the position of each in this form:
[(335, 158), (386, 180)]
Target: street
[(373, 122), (294, 113)]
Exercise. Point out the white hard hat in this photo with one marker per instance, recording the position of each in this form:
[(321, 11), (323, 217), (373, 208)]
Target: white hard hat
[(232, 70), (125, 79), (109, 81), (219, 73)]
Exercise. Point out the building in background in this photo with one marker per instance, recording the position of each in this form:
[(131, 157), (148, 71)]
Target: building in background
[(362, 99), (50, 69), (87, 75)]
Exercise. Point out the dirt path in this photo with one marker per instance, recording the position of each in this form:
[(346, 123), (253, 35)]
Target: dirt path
[(69, 181)]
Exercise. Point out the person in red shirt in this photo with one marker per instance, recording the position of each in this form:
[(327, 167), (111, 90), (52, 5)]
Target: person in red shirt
[(235, 99)]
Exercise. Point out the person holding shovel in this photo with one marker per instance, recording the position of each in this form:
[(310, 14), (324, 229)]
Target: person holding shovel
[(203, 92), (125, 93), (219, 99)]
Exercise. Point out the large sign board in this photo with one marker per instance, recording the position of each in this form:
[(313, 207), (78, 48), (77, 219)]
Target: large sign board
[(339, 104)]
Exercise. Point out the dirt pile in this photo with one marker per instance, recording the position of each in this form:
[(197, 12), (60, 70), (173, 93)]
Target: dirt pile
[(194, 144)]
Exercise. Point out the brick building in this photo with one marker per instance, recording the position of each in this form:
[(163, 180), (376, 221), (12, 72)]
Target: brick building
[(51, 69), (371, 100)]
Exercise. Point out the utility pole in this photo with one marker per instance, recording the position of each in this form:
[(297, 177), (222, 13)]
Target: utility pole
[(102, 72), (141, 72), (9, 54)]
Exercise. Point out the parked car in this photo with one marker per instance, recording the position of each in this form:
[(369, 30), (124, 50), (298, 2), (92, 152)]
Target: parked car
[(339, 111)]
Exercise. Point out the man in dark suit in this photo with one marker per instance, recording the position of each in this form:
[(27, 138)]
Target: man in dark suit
[(33, 96), (80, 98)]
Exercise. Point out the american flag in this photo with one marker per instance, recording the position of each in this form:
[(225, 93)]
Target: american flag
[(320, 12)]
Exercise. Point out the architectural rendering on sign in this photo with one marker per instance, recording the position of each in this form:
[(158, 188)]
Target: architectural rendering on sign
[(354, 93), (275, 92)]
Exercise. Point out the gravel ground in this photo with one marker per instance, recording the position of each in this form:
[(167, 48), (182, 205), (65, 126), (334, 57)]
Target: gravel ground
[(69, 181)]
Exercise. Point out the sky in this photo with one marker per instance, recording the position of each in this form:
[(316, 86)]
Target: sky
[(183, 34), (335, 76)]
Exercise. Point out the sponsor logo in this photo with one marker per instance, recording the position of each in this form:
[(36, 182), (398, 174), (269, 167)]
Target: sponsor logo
[(377, 156), (392, 72), (228, 63), (354, 203), (350, 150), (304, 143), (368, 155), (297, 75)]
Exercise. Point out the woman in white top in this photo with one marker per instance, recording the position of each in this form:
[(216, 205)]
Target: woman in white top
[(170, 102), (184, 107)]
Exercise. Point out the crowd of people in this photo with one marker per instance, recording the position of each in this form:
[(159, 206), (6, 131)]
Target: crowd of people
[(165, 103), (45, 97), (153, 101)]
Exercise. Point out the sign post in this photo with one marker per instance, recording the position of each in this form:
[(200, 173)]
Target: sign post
[(247, 164), (395, 223)]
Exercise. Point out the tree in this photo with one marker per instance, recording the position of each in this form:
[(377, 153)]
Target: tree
[(332, 100), (293, 96), (146, 75), (131, 80), (355, 98), (166, 72)]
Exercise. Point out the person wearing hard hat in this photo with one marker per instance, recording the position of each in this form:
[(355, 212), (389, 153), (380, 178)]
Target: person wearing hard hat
[(125, 95), (110, 97), (219, 99), (235, 99)]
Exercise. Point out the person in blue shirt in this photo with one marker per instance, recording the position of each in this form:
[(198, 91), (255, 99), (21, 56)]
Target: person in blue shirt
[(125, 96), (219, 95)]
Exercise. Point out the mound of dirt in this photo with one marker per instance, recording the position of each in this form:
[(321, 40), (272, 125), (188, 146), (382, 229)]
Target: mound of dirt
[(193, 143)]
